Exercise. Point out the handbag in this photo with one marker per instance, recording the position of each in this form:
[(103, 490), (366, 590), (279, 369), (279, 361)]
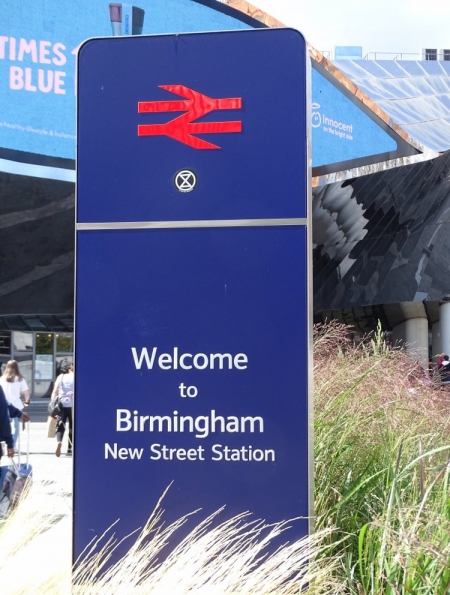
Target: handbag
[(54, 407), (51, 427)]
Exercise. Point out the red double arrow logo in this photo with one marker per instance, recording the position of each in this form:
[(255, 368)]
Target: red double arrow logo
[(183, 128)]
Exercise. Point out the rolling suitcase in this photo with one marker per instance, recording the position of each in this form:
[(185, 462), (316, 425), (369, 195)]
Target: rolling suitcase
[(17, 477), (3, 472)]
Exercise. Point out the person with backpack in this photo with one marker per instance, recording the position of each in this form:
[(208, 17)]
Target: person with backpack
[(64, 389)]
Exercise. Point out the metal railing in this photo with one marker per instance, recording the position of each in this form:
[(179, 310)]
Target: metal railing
[(439, 56), (392, 56)]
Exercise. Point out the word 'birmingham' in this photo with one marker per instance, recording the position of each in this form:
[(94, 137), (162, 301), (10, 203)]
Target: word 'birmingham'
[(187, 361), (201, 425)]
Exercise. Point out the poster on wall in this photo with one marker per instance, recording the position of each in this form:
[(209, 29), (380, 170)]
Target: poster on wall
[(43, 367)]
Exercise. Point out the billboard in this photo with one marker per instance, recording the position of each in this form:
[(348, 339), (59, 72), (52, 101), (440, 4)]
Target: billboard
[(39, 41), (346, 133)]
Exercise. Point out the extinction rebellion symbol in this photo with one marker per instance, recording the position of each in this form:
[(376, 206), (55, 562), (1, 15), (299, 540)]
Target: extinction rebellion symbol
[(184, 128), (185, 180)]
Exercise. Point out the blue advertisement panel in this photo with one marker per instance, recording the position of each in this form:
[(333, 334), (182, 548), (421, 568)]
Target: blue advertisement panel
[(192, 325), (39, 40), (341, 130)]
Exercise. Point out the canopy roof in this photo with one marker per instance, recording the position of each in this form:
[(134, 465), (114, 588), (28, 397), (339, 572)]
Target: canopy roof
[(416, 95)]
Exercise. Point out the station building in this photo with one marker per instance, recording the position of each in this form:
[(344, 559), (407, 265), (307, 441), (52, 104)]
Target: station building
[(380, 177)]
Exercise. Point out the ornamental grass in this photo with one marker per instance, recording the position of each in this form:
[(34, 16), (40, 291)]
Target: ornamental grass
[(382, 453), (229, 557)]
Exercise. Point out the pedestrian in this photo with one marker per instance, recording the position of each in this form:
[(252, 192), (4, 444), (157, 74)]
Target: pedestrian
[(15, 386), (444, 371), (64, 389), (7, 412)]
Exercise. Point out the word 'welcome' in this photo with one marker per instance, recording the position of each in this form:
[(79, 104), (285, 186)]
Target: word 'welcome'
[(187, 361)]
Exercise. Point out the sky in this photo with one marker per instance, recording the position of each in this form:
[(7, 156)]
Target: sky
[(394, 26)]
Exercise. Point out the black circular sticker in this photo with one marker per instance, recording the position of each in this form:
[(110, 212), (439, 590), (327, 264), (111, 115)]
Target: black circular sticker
[(185, 180)]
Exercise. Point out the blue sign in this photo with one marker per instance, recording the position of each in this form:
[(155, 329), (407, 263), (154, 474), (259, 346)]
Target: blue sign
[(192, 325), (341, 130)]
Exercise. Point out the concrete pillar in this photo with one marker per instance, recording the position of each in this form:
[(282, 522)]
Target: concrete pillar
[(417, 340), (412, 333), (436, 347), (444, 320)]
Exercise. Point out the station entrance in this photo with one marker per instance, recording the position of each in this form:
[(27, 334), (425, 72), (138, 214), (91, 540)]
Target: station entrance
[(41, 354)]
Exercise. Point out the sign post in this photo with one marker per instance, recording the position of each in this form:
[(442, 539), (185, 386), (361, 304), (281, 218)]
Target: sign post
[(192, 293)]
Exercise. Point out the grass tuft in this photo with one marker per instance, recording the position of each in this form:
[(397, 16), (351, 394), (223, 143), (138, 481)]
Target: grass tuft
[(216, 558)]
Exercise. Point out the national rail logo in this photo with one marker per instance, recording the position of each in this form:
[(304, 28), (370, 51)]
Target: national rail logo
[(184, 128)]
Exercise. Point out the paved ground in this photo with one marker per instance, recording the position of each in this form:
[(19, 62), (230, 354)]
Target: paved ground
[(49, 508), (52, 476)]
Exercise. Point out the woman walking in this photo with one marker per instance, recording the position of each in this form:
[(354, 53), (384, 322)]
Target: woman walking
[(14, 386), (64, 389)]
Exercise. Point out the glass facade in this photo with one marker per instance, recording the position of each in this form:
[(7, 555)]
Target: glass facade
[(415, 94)]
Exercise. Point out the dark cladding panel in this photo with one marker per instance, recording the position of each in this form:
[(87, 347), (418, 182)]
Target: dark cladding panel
[(37, 245), (383, 238)]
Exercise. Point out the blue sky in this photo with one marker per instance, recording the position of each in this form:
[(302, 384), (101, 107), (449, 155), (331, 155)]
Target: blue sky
[(377, 25)]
